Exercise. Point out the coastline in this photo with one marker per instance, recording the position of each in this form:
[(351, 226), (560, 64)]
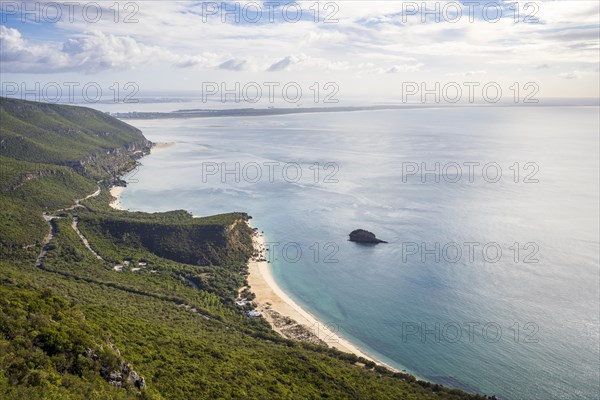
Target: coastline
[(116, 191), (271, 298), (285, 316)]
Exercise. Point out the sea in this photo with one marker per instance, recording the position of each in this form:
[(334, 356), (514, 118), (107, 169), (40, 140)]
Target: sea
[(489, 280)]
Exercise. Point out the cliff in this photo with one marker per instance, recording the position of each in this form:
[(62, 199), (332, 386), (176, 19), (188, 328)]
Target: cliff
[(219, 240)]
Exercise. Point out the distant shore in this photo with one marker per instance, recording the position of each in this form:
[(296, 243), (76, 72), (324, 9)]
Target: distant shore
[(116, 191), (272, 302)]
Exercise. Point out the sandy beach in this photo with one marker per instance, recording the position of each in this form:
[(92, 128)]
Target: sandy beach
[(271, 298), (116, 191)]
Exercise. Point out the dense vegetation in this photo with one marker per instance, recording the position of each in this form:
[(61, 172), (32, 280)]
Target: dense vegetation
[(72, 326), (198, 241), (92, 142), (26, 191)]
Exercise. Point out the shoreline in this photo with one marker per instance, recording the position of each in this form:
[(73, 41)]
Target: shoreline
[(284, 315), (116, 191), (271, 298)]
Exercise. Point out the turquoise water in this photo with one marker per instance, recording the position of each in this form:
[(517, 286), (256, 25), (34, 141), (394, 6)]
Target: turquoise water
[(520, 330)]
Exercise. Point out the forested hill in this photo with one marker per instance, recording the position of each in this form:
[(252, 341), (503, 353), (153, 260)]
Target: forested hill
[(103, 304), (67, 135), (51, 155)]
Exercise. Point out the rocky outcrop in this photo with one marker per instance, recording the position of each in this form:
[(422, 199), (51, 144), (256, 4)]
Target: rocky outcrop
[(363, 236), (121, 376), (124, 374), (111, 163)]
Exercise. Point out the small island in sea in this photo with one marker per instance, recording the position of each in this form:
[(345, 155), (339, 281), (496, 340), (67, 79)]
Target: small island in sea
[(363, 236)]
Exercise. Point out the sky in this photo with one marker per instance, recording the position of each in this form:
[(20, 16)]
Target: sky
[(315, 52)]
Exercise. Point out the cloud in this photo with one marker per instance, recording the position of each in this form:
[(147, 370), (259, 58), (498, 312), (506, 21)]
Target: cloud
[(403, 68), (467, 73), (370, 41), (233, 64), (14, 51), (282, 64), (304, 62), (205, 59), (571, 75), (188, 62), (91, 53)]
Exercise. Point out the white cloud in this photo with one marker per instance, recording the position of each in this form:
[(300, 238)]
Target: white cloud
[(467, 73), (370, 41), (404, 68), (302, 61), (283, 64), (204, 60), (570, 75), (233, 64), (91, 52)]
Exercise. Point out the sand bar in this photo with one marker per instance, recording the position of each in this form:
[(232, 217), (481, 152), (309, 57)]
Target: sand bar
[(159, 146)]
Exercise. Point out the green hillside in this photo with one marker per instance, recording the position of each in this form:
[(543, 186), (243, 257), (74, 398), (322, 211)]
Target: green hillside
[(147, 311), (89, 140), (58, 134)]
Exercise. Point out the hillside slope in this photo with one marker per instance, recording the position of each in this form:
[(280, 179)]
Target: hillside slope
[(80, 137)]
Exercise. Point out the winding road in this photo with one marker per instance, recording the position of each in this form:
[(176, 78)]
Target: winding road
[(52, 230), (49, 218)]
